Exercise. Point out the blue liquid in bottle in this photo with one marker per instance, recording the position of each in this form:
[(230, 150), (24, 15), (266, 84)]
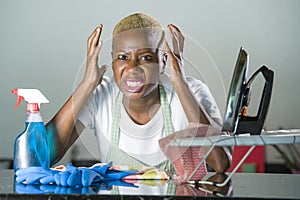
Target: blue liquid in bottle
[(31, 146)]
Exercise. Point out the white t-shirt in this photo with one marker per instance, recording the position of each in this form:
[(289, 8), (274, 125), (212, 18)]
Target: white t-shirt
[(140, 141)]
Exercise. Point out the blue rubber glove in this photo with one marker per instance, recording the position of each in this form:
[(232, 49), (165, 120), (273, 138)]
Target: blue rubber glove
[(111, 174), (35, 175), (102, 170), (118, 175), (72, 176), (21, 188), (78, 189), (77, 176), (87, 176)]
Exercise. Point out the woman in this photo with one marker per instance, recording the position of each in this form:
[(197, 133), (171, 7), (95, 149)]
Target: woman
[(140, 104)]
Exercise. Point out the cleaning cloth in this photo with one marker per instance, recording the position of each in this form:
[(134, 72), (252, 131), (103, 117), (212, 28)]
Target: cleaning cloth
[(186, 158)]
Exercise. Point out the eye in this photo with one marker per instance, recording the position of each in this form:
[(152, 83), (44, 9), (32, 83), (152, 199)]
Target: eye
[(122, 57), (146, 58)]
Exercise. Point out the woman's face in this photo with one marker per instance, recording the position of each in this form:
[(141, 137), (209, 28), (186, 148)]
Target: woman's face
[(137, 62)]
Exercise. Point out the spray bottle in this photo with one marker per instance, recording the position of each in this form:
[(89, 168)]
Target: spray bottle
[(31, 146)]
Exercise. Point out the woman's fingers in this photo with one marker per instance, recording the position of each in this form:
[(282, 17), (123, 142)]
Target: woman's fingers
[(93, 73), (98, 47), (97, 36), (93, 40), (177, 40), (169, 52), (179, 36), (174, 41), (173, 60), (175, 56), (167, 48)]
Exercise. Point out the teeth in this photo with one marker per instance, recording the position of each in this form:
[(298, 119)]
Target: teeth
[(133, 83)]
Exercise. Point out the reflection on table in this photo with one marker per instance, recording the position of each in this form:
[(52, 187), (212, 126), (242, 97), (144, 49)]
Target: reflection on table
[(242, 185), (139, 187)]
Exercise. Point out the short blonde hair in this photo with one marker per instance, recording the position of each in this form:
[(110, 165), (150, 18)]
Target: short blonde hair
[(140, 22), (136, 21)]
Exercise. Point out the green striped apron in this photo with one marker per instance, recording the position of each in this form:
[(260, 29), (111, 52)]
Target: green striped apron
[(121, 158)]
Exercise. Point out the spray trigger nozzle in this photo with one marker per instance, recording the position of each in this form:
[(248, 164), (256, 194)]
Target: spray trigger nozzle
[(20, 98), (31, 96)]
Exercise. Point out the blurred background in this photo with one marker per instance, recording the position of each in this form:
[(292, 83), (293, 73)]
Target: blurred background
[(43, 45)]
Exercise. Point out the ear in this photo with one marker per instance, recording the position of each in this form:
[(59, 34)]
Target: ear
[(164, 62), (165, 58)]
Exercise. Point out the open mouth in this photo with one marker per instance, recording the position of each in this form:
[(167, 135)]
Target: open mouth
[(133, 85)]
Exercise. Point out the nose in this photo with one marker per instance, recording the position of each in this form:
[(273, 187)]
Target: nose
[(133, 65)]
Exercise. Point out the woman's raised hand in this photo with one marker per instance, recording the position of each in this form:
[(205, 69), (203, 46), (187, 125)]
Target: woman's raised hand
[(175, 56), (94, 74)]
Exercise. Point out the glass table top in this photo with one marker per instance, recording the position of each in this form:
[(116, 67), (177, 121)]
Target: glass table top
[(242, 185)]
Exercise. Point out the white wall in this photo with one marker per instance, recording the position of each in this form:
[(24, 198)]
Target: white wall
[(43, 46)]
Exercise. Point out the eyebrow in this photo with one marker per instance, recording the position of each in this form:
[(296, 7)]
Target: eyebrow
[(140, 51), (120, 51), (147, 51)]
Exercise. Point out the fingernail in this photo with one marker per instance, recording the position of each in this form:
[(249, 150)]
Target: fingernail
[(98, 29)]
